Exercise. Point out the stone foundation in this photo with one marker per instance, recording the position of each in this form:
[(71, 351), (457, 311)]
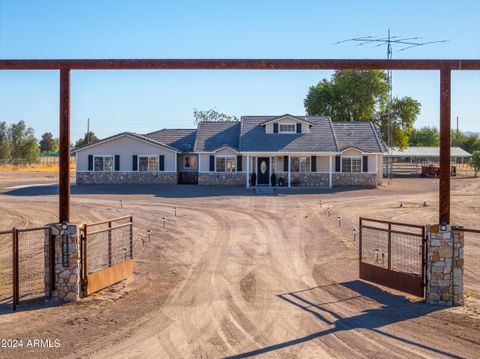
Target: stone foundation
[(444, 266), (312, 179), (67, 263), (220, 179), (126, 178), (354, 179)]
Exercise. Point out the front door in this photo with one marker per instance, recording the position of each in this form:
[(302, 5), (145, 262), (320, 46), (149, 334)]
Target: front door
[(263, 170)]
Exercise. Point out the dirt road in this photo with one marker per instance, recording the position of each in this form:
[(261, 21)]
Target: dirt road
[(237, 275)]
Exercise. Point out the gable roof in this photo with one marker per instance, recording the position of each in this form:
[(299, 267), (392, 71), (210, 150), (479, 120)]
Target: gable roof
[(320, 138), (181, 139), (122, 134), (357, 134), (300, 119), (214, 135)]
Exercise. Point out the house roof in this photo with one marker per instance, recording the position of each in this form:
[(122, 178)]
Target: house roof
[(357, 134), (212, 136), (131, 134), (319, 139), (425, 152), (181, 139)]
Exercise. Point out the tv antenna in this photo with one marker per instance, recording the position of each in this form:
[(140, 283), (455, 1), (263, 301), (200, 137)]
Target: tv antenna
[(406, 43)]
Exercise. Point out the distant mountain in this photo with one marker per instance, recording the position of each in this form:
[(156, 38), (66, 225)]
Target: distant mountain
[(469, 133)]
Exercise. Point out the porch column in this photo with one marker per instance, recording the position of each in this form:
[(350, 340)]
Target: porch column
[(199, 163), (330, 171), (289, 165), (248, 171)]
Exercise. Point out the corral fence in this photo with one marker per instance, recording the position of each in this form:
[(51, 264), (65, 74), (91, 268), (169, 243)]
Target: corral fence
[(393, 254), (471, 274), (106, 252), (24, 256)]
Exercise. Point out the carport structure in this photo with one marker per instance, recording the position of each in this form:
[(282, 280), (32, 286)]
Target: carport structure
[(445, 67)]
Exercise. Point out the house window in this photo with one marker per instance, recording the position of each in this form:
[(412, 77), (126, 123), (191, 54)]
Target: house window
[(226, 164), (190, 162), (300, 164), (103, 164), (287, 128), (148, 163), (351, 164)]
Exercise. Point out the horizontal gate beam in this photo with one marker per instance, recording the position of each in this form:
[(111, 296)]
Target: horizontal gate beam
[(239, 64)]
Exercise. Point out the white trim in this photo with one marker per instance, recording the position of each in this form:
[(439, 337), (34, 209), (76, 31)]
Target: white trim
[(113, 168), (224, 147), (288, 124), (158, 164), (283, 117), (289, 171), (101, 142), (248, 172)]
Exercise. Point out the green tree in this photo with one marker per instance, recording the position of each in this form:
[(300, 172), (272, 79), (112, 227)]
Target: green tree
[(469, 143), (212, 115), (88, 138), (47, 142), (425, 136), (362, 96), (22, 142), (4, 142), (475, 162)]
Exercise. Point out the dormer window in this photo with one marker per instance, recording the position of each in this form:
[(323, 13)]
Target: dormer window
[(287, 128)]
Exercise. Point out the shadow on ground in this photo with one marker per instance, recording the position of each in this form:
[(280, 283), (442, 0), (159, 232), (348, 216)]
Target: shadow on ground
[(168, 191), (392, 309)]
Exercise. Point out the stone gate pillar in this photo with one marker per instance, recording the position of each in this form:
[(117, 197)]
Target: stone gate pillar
[(444, 265), (66, 263)]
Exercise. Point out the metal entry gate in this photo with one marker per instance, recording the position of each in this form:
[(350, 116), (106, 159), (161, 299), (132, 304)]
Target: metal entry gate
[(22, 265), (107, 253), (472, 265), (393, 254)]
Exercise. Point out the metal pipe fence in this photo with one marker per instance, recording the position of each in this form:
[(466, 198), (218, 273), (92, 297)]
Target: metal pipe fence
[(471, 267)]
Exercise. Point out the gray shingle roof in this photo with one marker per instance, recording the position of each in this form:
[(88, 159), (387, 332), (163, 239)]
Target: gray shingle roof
[(181, 139), (212, 136), (358, 134), (255, 139), (424, 152)]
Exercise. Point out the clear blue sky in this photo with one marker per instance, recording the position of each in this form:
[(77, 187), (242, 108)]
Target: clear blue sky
[(143, 101)]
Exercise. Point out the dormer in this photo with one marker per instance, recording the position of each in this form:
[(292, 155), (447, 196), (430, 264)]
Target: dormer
[(287, 124)]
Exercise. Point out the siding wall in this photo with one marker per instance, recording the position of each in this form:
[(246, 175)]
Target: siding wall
[(205, 159), (126, 147)]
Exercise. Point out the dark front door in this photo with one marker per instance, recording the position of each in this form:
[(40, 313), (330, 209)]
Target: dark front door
[(263, 170)]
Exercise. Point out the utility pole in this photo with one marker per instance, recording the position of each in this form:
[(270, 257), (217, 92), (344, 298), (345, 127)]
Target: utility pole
[(88, 131), (458, 131), (408, 42)]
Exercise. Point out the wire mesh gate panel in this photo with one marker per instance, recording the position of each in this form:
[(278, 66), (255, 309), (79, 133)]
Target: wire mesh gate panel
[(471, 268), (6, 268), (392, 254), (107, 253)]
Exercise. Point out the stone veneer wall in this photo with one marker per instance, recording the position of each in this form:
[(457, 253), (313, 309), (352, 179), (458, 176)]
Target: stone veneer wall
[(309, 179), (354, 179), (218, 179), (67, 279), (126, 177), (444, 266)]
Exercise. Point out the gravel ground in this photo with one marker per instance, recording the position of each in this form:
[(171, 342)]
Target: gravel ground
[(239, 275)]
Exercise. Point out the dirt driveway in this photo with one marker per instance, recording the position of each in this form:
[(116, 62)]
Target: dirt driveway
[(236, 275)]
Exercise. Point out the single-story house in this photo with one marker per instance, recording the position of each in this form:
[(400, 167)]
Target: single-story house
[(258, 150)]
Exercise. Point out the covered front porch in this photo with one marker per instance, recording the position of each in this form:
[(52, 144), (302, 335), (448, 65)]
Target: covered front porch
[(290, 169)]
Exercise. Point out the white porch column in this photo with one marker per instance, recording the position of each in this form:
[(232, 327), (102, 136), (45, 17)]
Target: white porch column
[(248, 171), (330, 171), (199, 163), (176, 160), (289, 165)]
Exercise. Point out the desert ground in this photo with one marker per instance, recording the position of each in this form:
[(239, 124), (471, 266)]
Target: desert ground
[(240, 275)]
